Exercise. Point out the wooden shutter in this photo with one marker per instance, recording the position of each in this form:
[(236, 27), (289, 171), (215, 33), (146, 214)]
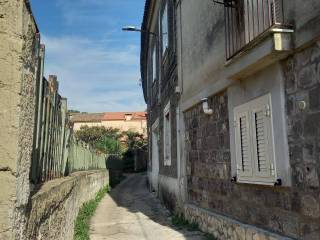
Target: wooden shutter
[(243, 144), (262, 139), (254, 141)]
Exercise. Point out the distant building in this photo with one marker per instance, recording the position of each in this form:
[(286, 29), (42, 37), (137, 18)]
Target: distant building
[(125, 121)]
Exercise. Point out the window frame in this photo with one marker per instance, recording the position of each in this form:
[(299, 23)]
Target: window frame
[(165, 10), (167, 130), (154, 62)]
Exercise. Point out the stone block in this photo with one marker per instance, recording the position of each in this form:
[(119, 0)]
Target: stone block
[(303, 58), (307, 76), (290, 105), (259, 236), (314, 96), (290, 76), (250, 233), (305, 175), (295, 128), (311, 125), (310, 206), (309, 152), (318, 72), (315, 54)]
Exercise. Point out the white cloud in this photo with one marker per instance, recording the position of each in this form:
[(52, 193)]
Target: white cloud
[(94, 76)]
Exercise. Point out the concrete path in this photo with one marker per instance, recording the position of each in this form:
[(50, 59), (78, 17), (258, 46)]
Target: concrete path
[(130, 212)]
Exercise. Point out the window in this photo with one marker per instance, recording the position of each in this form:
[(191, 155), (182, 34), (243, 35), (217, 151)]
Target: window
[(254, 141), (128, 116), (165, 28), (167, 136), (154, 63)]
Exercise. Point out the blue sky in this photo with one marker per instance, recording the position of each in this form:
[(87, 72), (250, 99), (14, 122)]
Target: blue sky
[(96, 63)]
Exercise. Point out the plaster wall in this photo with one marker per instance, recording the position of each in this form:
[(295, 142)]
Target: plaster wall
[(201, 45), (17, 109), (169, 193)]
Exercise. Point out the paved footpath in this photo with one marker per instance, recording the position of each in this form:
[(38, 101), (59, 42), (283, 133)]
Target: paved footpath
[(130, 212)]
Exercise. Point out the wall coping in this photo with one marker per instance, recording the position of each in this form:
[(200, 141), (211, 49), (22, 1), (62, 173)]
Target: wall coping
[(51, 185)]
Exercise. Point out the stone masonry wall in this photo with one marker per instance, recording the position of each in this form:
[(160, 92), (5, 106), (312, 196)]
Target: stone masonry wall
[(55, 207), (18, 50), (292, 212), (302, 73), (166, 96)]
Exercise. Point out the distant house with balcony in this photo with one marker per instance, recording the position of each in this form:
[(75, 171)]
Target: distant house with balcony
[(233, 95), (124, 121)]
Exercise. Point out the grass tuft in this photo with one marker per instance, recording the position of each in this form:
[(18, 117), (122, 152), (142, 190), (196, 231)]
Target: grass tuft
[(179, 221), (81, 228)]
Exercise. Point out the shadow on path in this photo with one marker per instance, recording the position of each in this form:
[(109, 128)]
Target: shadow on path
[(130, 211)]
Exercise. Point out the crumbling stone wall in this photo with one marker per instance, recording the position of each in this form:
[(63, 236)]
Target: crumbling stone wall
[(292, 211), (18, 67)]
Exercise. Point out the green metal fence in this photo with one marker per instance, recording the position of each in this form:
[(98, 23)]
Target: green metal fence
[(55, 151), (51, 133), (83, 157)]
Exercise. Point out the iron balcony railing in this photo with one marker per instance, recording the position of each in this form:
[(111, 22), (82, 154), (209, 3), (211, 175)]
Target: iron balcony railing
[(247, 20)]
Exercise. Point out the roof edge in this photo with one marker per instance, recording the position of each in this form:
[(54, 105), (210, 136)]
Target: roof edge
[(144, 44)]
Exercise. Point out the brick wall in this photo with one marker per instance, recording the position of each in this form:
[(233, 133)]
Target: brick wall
[(294, 211)]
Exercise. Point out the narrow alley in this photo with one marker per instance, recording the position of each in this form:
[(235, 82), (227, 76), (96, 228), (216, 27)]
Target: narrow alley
[(160, 120), (130, 211)]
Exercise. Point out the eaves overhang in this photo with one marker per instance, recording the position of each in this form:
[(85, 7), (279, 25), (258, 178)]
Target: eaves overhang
[(144, 46)]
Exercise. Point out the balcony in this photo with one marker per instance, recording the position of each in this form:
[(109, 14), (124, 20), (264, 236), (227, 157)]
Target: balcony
[(248, 21)]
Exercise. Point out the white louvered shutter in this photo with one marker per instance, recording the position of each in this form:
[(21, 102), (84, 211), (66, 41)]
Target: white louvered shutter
[(262, 139), (243, 144), (254, 142)]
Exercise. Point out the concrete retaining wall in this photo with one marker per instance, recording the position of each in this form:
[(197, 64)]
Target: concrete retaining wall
[(55, 207)]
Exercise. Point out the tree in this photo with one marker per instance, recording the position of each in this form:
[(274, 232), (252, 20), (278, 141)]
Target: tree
[(73, 111), (134, 140), (109, 145), (90, 135), (104, 139)]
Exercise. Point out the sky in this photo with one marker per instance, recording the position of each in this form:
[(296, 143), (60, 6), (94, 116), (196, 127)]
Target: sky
[(97, 64)]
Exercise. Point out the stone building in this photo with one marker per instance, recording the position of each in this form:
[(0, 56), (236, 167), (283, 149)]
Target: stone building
[(125, 121), (233, 95)]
